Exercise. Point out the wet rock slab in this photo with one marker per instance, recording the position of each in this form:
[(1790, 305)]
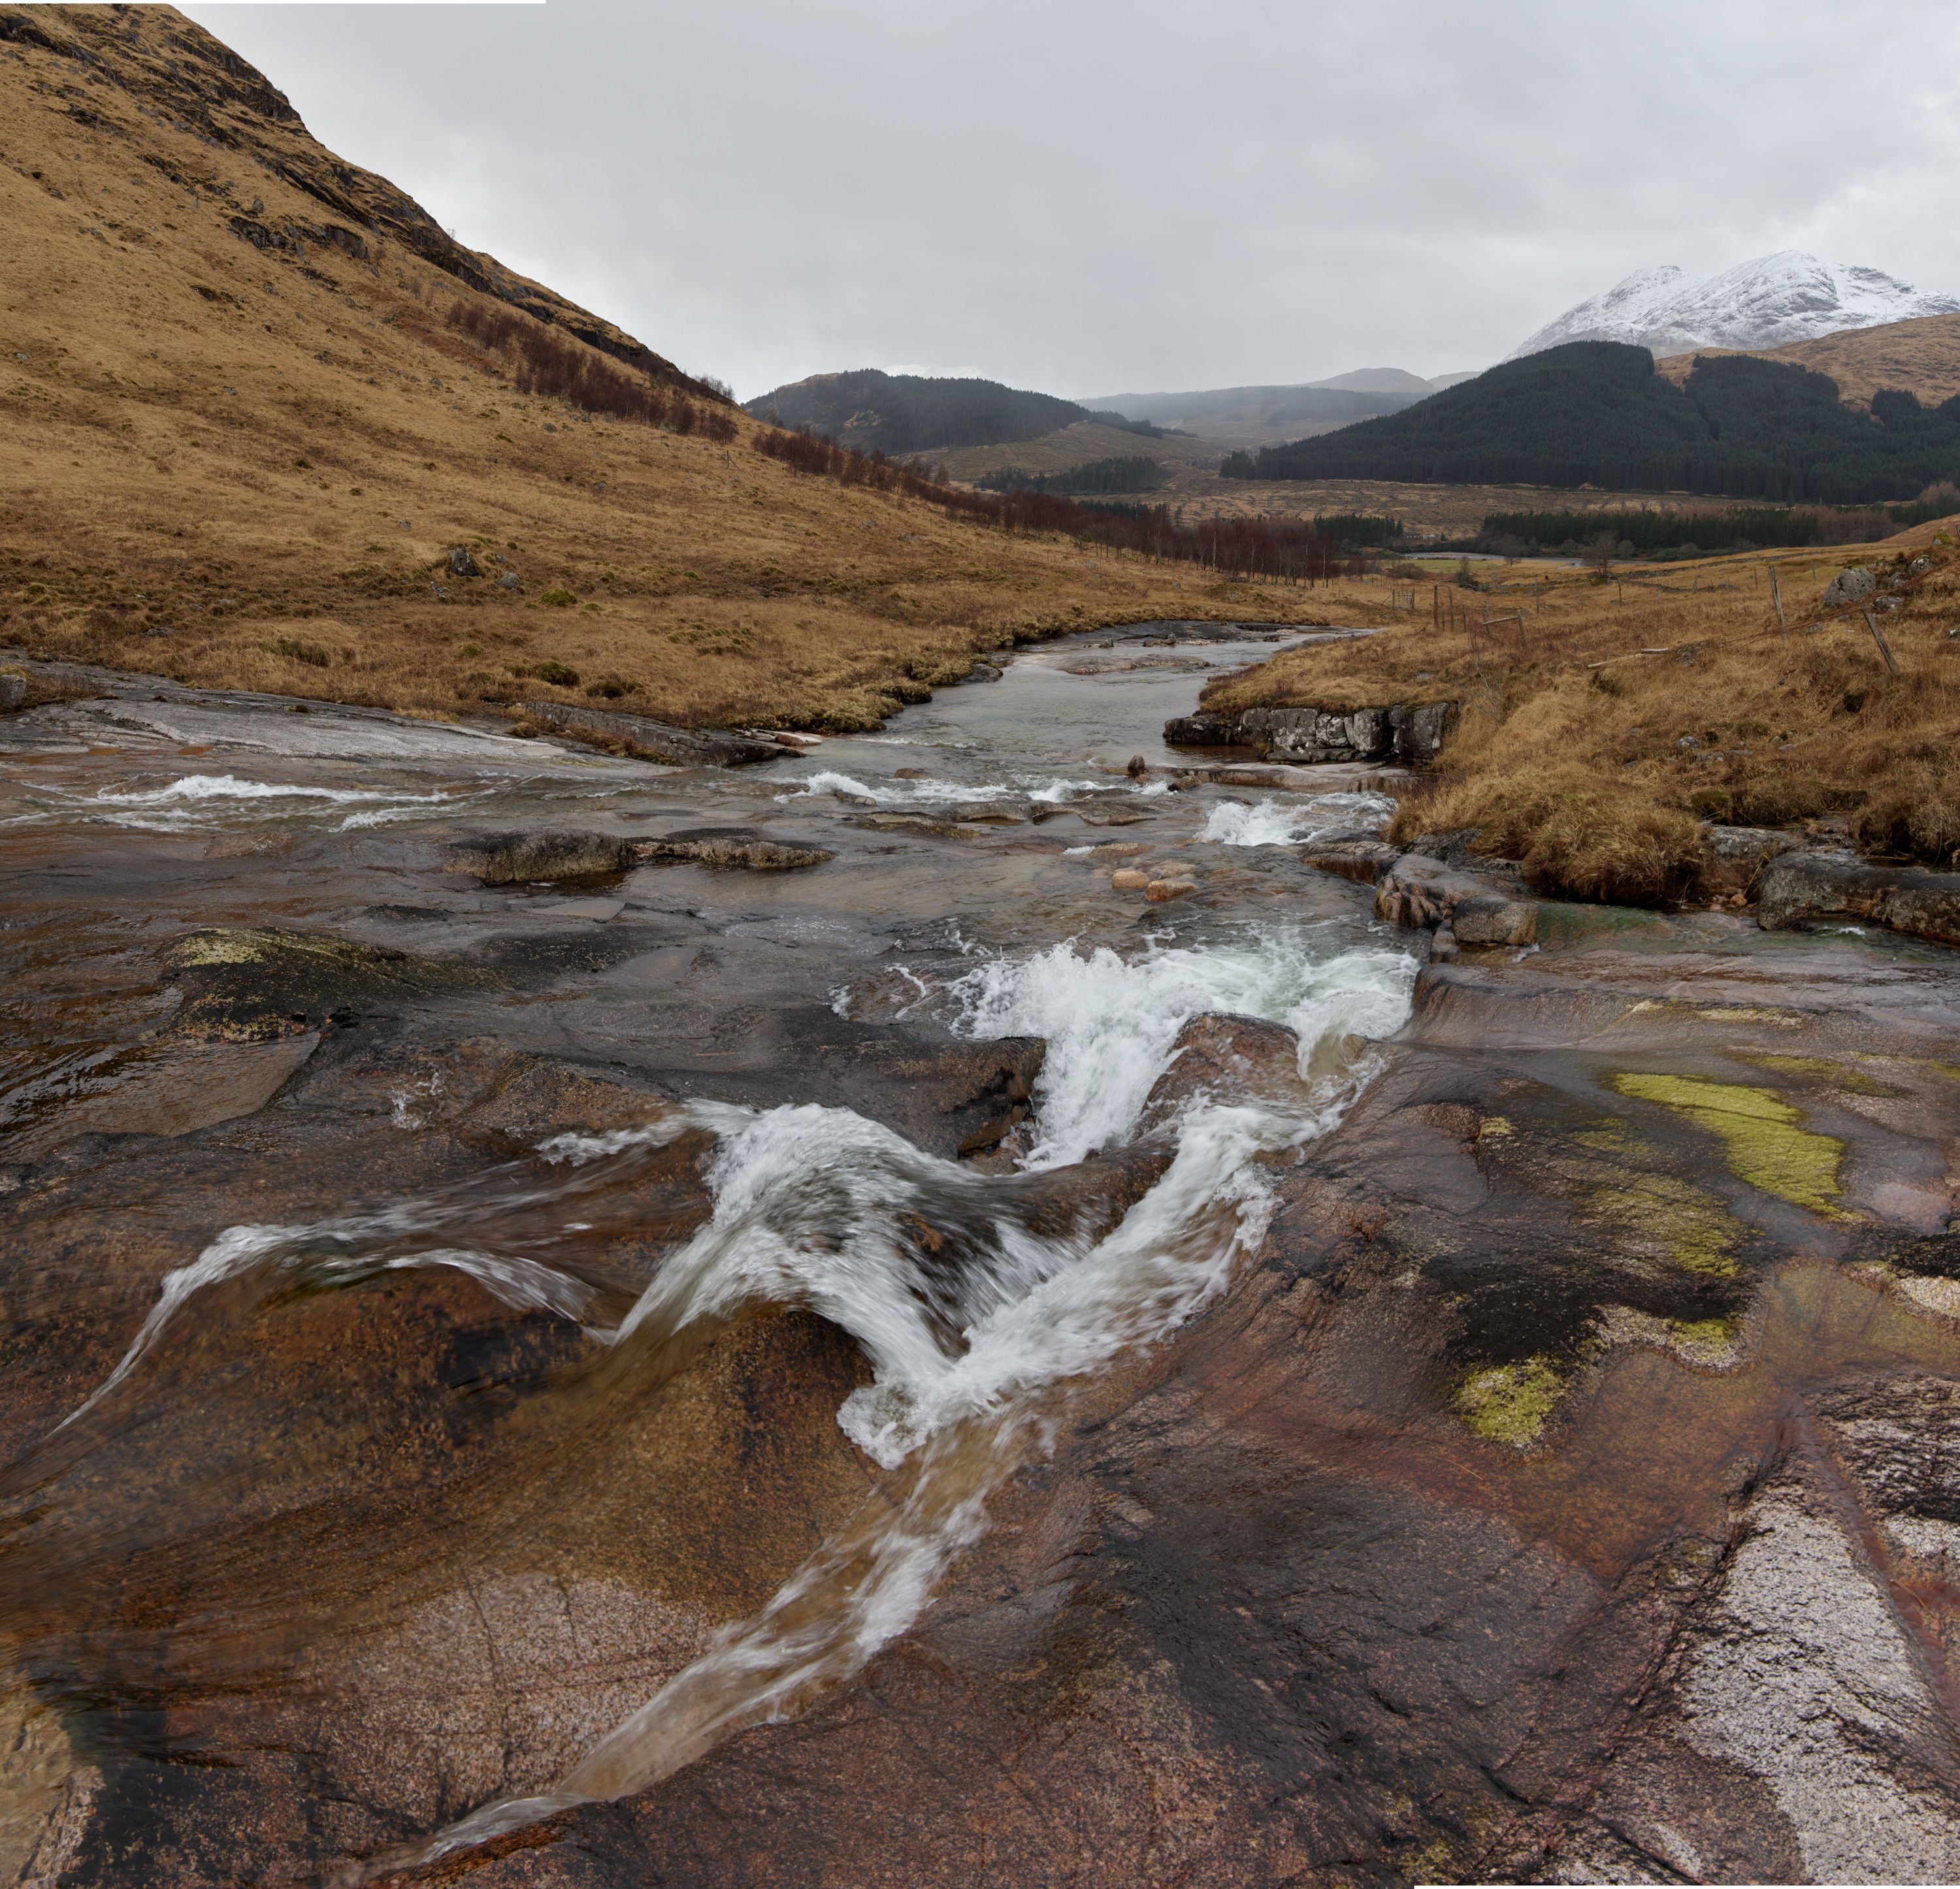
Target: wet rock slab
[(1566, 1495)]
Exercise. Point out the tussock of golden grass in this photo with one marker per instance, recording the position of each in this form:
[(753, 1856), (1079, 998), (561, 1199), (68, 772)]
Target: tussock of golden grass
[(1597, 777), (213, 454)]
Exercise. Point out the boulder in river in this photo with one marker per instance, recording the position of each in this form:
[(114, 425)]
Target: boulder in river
[(1800, 890), (1232, 1058), (1300, 732), (13, 690), (1418, 891), (656, 740), (1363, 860), (543, 853), (732, 846)]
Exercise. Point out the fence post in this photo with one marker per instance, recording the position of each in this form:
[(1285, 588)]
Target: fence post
[(1872, 624), (1776, 594)]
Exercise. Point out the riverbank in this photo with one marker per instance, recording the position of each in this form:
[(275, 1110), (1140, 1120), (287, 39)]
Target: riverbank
[(1597, 728)]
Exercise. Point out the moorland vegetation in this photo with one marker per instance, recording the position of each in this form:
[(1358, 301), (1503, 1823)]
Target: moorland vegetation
[(1606, 721)]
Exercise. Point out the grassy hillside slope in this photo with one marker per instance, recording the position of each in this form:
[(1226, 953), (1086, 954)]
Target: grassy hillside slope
[(239, 433), (1923, 357)]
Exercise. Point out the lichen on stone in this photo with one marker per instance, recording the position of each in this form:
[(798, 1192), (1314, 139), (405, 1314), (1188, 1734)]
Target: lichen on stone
[(1763, 1138), (1509, 1403), (1696, 1231)]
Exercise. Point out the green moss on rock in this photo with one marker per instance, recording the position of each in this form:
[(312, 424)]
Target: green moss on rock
[(1763, 1138)]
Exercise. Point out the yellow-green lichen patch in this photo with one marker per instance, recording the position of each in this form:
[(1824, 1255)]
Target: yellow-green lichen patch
[(1692, 1228), (1509, 1403), (1763, 1136), (1705, 1340), (1854, 1082)]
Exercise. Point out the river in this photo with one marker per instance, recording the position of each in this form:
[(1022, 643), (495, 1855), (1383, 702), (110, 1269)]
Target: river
[(164, 1545)]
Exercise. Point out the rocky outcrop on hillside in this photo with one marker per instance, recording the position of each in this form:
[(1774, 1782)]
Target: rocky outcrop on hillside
[(1403, 732)]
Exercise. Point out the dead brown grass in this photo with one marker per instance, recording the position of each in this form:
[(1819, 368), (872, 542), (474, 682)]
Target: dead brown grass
[(221, 461), (1596, 765)]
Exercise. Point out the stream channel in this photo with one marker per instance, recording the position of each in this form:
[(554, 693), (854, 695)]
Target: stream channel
[(350, 1284)]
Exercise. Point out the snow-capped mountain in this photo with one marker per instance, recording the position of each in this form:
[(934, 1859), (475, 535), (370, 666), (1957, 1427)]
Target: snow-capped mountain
[(1786, 296)]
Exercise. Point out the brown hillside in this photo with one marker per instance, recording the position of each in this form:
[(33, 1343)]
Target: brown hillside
[(239, 432), (1922, 356)]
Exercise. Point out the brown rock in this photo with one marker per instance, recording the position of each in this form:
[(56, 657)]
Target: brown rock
[(1129, 878), (1234, 1059), (732, 846), (1364, 861), (1159, 890), (1487, 918), (542, 853)]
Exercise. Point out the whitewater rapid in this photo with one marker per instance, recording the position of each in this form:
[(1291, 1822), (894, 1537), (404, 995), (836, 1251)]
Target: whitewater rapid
[(973, 1321)]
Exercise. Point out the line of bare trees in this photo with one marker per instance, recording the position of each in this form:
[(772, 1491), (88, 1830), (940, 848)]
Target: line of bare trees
[(1284, 549), (562, 369)]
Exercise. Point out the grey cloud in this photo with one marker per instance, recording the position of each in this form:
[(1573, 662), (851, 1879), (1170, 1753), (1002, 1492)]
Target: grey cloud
[(1083, 198)]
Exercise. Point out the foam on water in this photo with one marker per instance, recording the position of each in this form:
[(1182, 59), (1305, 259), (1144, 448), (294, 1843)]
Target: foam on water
[(1275, 823), (1110, 1022), (194, 799), (1036, 787)]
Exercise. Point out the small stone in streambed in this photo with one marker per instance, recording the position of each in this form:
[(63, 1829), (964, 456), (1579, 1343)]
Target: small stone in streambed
[(1138, 766), (1128, 878), (1117, 849), (507, 859), (733, 846), (1109, 815), (912, 773), (1160, 890)]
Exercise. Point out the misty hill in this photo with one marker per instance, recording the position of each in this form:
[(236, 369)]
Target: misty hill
[(1765, 303), (1597, 413), (904, 413), (1261, 416)]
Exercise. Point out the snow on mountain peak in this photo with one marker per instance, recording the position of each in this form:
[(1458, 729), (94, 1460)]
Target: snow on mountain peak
[(1762, 303)]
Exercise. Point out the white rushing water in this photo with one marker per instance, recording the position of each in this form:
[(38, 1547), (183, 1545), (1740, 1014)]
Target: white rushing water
[(933, 793), (1276, 823), (198, 800), (972, 1322)]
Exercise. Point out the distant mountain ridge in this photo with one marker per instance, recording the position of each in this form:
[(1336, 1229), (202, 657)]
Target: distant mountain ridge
[(906, 413), (1765, 303), (1599, 413)]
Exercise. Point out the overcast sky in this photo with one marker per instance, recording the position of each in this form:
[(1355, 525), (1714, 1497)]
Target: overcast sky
[(1132, 196)]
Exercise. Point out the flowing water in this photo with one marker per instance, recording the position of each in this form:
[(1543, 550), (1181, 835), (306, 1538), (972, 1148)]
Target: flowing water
[(973, 1308)]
